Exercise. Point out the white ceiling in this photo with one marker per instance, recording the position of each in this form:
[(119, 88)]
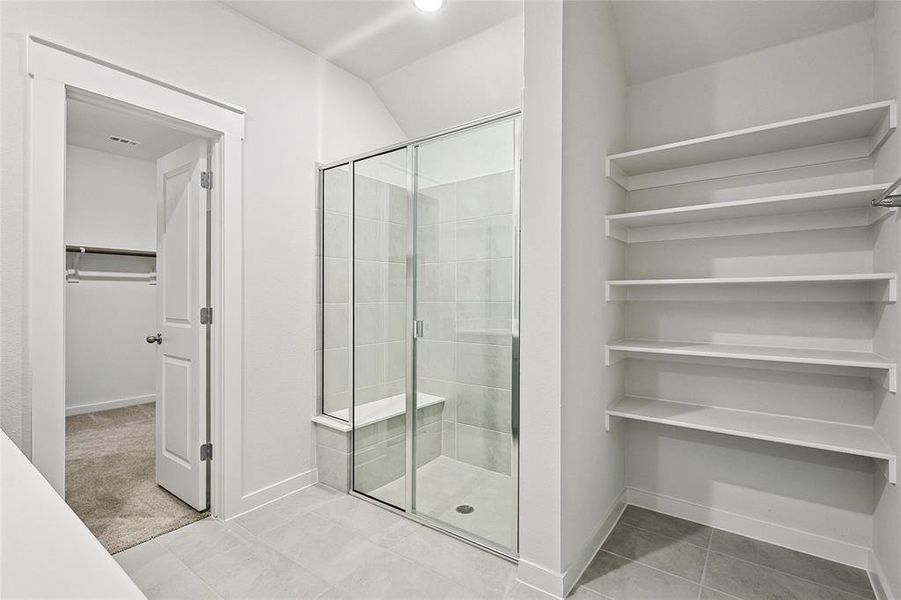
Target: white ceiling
[(371, 38), (90, 126), (659, 38)]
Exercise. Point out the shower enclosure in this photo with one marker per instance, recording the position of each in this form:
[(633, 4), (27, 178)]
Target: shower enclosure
[(420, 325)]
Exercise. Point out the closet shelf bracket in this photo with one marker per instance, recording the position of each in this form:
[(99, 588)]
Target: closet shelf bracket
[(72, 275), (887, 199)]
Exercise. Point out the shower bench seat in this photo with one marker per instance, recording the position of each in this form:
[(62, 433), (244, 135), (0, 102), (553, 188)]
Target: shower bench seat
[(333, 433), (384, 409)]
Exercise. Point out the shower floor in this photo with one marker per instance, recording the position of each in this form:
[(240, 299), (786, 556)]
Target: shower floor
[(444, 484)]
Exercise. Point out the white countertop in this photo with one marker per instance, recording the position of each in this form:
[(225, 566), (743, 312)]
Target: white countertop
[(45, 550)]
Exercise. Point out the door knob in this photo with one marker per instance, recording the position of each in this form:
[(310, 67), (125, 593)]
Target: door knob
[(155, 339)]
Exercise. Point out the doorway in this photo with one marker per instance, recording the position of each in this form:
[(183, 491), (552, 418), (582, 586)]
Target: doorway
[(420, 326), (137, 251)]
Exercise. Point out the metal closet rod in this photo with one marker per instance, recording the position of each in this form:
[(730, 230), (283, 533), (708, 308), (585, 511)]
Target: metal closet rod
[(887, 198), (115, 251)]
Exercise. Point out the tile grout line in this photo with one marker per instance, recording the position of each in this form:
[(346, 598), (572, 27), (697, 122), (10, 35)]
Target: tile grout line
[(817, 584), (647, 565), (704, 571), (181, 562), (709, 547), (705, 547)]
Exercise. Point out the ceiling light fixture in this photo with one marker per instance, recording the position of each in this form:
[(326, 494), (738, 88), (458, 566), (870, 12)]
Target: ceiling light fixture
[(429, 5)]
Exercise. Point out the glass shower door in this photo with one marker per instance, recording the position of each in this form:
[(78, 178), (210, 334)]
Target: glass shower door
[(380, 326), (466, 313)]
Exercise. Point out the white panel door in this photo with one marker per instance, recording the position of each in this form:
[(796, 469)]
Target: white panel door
[(181, 407)]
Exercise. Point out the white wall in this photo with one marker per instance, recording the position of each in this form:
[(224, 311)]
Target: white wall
[(110, 202), (814, 501), (540, 491), (824, 72), (208, 48), (473, 78), (594, 107), (887, 516), (572, 473)]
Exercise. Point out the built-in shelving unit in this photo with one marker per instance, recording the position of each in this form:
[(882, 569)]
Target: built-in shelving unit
[(842, 135), (776, 354), (808, 433), (889, 279), (825, 209), (839, 135)]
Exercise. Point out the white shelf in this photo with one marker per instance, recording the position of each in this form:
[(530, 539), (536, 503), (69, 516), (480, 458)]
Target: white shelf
[(817, 139), (808, 433), (791, 212), (778, 354), (889, 278)]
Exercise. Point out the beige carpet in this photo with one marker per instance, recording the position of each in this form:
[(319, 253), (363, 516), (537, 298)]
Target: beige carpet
[(110, 481)]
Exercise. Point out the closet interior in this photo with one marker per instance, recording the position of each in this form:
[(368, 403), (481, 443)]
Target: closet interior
[(752, 304), (112, 371)]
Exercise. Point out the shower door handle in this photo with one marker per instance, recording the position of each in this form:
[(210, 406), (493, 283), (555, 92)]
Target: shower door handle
[(417, 329)]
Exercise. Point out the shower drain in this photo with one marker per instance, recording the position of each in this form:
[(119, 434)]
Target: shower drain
[(465, 509)]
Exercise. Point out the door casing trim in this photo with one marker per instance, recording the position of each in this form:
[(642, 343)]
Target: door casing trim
[(56, 71)]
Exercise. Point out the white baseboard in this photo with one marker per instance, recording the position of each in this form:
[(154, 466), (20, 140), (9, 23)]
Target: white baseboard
[(878, 579), (774, 533), (536, 576), (274, 492), (559, 585), (109, 404), (575, 570)]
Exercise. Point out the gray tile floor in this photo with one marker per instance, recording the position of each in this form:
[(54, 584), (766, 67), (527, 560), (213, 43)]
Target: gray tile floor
[(651, 555), (316, 543), (319, 543), (444, 483)]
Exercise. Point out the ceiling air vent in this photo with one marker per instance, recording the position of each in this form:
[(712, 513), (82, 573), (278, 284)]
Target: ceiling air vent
[(123, 140)]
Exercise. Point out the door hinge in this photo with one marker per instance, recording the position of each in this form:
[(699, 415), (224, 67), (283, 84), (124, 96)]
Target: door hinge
[(206, 180), (206, 315), (206, 452)]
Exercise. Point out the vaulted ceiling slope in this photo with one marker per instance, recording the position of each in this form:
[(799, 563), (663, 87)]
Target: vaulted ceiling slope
[(371, 38), (659, 38)]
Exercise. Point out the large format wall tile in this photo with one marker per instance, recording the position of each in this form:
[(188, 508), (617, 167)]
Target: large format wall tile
[(484, 448), (335, 325), (370, 198), (369, 323), (337, 279), (485, 407), (370, 240), (336, 235), (485, 280), (370, 281), (369, 365), (484, 196), (439, 320), (480, 364), (435, 359)]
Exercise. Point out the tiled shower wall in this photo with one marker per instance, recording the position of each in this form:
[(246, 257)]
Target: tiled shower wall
[(380, 250), (379, 289), (465, 289), (336, 289), (465, 292)]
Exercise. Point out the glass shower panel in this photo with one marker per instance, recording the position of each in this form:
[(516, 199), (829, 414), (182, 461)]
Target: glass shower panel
[(380, 241), (336, 252), (465, 247)]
